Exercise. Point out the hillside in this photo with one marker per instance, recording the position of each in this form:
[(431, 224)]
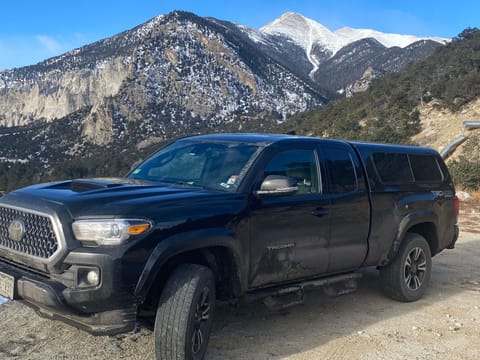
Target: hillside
[(425, 104)]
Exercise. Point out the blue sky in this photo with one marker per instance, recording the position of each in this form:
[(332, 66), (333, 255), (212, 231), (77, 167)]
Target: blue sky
[(33, 30)]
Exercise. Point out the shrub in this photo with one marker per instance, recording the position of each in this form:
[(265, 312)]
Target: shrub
[(466, 173)]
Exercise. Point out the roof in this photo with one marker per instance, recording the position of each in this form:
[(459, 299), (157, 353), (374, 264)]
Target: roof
[(261, 138), (391, 148), (246, 137), (266, 139)]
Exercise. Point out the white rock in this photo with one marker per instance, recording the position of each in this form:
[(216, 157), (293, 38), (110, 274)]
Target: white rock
[(464, 196)]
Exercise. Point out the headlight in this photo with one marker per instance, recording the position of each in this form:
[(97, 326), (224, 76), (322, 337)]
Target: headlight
[(109, 231)]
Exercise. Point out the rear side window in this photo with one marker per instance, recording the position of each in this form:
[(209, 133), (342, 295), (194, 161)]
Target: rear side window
[(397, 168), (393, 168), (425, 168), (341, 171)]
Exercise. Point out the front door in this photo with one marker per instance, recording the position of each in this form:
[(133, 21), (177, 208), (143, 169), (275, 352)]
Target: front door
[(289, 234)]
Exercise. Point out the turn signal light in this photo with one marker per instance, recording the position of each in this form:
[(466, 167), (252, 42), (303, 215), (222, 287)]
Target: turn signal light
[(138, 229)]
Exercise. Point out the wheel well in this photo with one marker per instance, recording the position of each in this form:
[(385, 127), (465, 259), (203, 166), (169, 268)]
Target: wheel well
[(218, 259), (429, 232)]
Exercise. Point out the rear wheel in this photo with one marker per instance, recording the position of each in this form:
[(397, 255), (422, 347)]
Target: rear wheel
[(184, 314), (406, 277)]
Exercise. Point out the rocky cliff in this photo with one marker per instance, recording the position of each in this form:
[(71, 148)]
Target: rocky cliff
[(174, 75)]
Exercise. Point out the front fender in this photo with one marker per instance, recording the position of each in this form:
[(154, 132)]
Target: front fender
[(184, 242)]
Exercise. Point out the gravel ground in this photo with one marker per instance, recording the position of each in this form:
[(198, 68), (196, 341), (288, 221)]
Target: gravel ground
[(444, 324)]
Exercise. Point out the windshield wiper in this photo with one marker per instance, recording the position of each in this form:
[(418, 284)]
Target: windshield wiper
[(186, 183)]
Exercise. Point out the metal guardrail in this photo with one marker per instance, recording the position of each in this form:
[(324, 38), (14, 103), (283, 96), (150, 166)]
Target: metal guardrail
[(459, 140), (471, 124), (450, 148)]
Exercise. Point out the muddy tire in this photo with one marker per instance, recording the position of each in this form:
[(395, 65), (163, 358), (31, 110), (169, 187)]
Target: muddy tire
[(406, 277), (184, 314)]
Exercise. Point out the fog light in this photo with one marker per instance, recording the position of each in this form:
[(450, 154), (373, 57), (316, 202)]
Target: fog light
[(93, 278), (88, 277)]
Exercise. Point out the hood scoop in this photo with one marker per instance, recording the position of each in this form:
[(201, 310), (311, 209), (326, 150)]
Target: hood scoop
[(81, 185)]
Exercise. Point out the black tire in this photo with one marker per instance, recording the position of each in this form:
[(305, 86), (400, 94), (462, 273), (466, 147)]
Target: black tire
[(406, 277), (184, 314)]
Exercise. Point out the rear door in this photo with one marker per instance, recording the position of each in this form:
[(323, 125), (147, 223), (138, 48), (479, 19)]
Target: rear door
[(349, 207)]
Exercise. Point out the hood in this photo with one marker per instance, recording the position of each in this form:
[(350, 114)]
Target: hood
[(112, 196)]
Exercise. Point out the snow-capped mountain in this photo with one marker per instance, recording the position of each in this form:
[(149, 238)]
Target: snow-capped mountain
[(335, 60), (321, 44), (305, 32)]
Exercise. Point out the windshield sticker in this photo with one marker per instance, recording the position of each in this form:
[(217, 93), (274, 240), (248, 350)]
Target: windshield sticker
[(136, 171), (233, 179), (226, 186)]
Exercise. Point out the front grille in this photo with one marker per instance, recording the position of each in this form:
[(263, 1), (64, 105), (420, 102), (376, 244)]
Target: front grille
[(38, 239)]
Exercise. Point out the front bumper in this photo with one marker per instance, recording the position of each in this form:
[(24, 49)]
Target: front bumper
[(100, 311)]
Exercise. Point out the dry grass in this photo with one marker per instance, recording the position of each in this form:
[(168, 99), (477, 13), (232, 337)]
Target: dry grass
[(476, 197), (469, 217)]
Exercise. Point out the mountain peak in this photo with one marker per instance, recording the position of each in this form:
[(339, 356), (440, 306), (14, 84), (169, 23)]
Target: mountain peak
[(304, 31), (291, 14), (286, 17)]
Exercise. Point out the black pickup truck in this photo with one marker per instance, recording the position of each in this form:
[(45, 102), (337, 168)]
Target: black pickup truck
[(221, 217)]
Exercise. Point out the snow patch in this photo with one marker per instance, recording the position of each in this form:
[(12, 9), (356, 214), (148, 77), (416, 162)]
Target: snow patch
[(149, 26), (386, 39), (255, 35)]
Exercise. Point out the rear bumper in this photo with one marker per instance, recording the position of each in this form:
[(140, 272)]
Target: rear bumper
[(455, 237), (52, 299)]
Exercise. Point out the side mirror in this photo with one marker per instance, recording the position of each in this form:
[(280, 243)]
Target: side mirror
[(277, 185)]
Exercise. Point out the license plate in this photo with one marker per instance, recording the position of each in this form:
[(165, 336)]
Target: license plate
[(7, 283)]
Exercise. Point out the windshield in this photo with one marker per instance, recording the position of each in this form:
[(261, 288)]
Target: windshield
[(209, 164)]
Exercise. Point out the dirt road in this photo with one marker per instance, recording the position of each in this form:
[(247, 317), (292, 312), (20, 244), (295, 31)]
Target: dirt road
[(445, 324)]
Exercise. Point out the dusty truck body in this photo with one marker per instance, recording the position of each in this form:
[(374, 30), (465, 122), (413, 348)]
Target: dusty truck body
[(239, 216)]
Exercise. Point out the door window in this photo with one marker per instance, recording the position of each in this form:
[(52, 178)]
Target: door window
[(299, 164)]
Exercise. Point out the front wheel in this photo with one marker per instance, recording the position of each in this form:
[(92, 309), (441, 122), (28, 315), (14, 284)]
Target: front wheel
[(184, 314), (406, 277)]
